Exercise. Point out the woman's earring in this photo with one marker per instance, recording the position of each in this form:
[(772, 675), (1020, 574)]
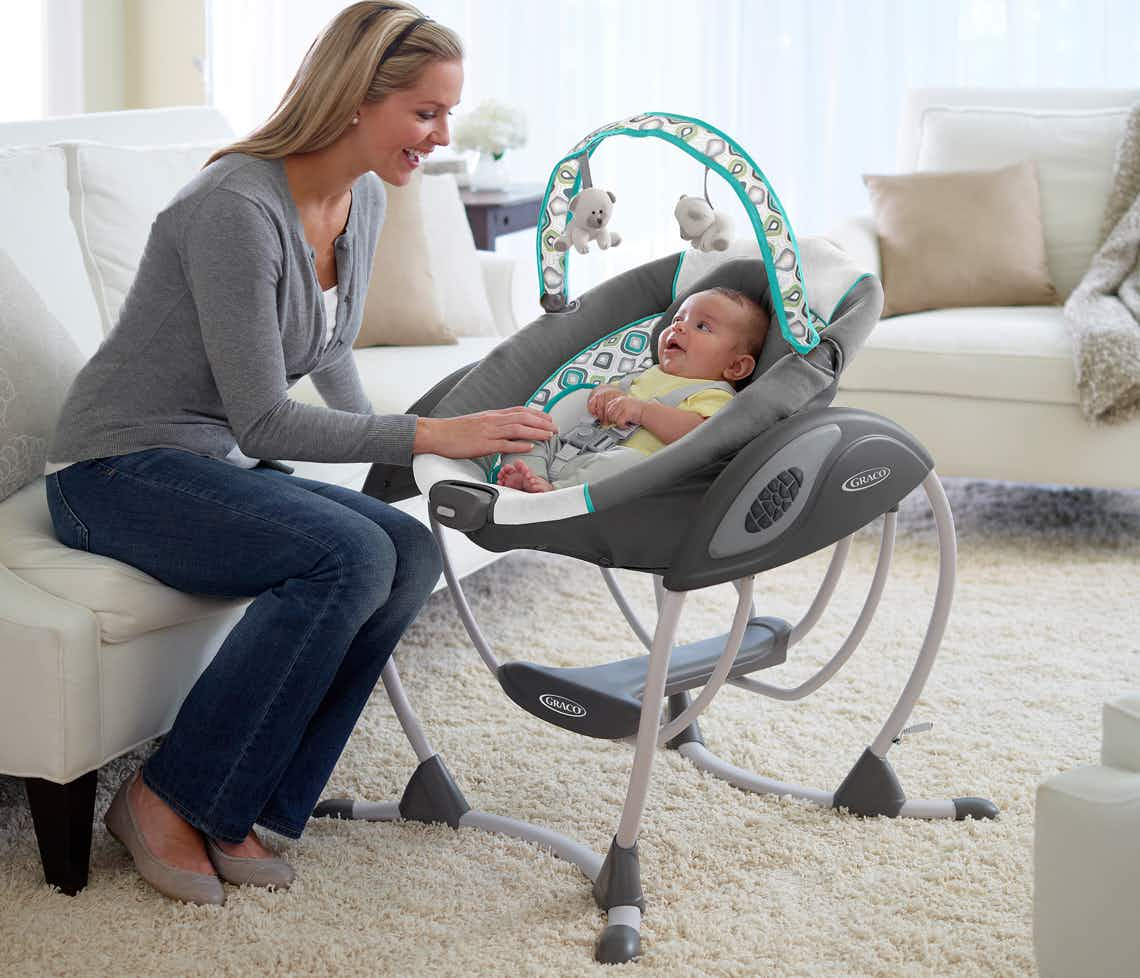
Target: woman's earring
[(356, 120)]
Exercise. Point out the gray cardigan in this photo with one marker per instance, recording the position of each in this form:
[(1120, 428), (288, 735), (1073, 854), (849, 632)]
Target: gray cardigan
[(224, 315)]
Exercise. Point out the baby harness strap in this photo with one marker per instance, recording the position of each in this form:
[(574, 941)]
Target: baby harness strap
[(592, 436)]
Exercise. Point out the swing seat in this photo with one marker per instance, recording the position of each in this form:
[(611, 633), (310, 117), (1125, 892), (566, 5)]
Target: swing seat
[(604, 701), (640, 518)]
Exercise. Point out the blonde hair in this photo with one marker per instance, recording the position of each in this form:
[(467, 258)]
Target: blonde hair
[(364, 54)]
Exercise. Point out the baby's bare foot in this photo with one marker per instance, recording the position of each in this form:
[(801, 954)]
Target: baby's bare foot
[(534, 483), (510, 476)]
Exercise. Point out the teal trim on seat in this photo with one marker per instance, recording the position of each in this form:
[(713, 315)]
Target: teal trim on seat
[(562, 393), (589, 501)]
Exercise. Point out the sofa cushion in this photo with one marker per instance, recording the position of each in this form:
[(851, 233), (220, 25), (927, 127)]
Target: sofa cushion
[(454, 260), (404, 303), (38, 361), (1018, 353), (963, 238), (38, 233), (121, 189), (395, 377), (1074, 151), (126, 602)]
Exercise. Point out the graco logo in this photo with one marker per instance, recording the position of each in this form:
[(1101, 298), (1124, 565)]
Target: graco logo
[(560, 704), (865, 479)]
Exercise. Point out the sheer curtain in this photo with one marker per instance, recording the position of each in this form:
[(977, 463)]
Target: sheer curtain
[(811, 90), (22, 62)]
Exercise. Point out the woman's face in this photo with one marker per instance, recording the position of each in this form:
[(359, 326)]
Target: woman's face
[(397, 132)]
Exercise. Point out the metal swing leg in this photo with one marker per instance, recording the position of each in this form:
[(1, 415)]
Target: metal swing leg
[(617, 889), (871, 787), (432, 795)]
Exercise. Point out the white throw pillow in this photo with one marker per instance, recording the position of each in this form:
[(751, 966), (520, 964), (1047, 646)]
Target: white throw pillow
[(1074, 151), (121, 191), (37, 232), (454, 260), (38, 362)]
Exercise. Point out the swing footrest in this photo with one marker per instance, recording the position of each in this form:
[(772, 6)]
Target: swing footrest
[(605, 701)]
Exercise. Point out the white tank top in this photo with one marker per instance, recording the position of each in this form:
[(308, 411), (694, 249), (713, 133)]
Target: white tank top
[(236, 456)]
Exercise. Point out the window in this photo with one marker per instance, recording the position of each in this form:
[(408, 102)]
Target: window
[(22, 61)]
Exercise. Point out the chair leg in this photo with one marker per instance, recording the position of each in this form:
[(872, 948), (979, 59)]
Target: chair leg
[(62, 815)]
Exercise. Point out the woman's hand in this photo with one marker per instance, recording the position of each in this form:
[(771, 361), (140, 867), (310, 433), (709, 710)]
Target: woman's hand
[(623, 410), (599, 397), (486, 433)]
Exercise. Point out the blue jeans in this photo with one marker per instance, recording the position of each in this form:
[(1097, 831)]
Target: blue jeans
[(335, 577)]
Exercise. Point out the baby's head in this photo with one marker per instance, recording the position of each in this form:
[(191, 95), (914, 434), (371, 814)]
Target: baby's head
[(716, 334)]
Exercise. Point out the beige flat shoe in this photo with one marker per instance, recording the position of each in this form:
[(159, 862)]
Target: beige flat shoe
[(171, 881), (242, 870)]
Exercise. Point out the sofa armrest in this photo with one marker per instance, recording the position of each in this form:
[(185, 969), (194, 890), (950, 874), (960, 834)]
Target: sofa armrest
[(857, 236), (499, 280), (49, 678)]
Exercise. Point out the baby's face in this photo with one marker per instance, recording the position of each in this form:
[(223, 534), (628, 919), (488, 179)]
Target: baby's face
[(704, 341)]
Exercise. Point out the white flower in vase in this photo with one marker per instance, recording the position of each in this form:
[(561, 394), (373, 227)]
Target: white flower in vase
[(490, 129)]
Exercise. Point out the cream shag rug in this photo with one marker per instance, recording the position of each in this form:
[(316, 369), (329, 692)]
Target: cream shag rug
[(1044, 630)]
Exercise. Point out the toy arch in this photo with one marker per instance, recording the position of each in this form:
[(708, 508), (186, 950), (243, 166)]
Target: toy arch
[(713, 148)]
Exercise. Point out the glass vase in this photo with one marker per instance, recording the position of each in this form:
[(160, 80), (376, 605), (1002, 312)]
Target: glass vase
[(491, 173)]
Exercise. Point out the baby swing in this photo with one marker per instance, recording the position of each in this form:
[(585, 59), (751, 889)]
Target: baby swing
[(775, 475)]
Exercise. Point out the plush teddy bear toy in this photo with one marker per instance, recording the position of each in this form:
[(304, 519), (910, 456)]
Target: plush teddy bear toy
[(708, 230), (590, 213)]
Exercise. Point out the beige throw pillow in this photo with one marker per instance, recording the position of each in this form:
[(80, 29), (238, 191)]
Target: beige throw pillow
[(967, 238), (456, 263), (402, 307)]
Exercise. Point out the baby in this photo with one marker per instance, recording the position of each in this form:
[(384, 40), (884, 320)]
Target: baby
[(715, 336)]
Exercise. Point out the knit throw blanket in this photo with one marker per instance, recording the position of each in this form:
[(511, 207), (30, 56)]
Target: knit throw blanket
[(1103, 312)]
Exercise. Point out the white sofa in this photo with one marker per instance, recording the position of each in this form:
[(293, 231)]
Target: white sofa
[(991, 392), (96, 657)]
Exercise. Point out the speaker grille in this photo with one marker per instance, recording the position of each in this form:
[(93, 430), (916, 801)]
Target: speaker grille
[(774, 500)]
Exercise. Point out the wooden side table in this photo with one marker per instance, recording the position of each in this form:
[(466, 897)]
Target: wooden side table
[(494, 212)]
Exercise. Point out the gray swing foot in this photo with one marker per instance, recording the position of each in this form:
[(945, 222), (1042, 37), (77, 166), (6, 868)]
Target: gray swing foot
[(619, 880), (334, 808), (692, 733), (871, 788), (433, 796), (974, 808), (618, 944)]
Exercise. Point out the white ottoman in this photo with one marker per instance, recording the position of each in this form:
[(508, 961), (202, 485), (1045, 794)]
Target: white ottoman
[(1086, 899)]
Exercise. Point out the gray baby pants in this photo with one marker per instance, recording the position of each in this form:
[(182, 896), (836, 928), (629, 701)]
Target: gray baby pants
[(583, 468)]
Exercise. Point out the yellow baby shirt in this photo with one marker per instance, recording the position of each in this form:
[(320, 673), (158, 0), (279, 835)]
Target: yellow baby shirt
[(654, 383)]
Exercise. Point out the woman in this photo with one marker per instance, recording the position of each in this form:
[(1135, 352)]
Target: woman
[(252, 277)]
